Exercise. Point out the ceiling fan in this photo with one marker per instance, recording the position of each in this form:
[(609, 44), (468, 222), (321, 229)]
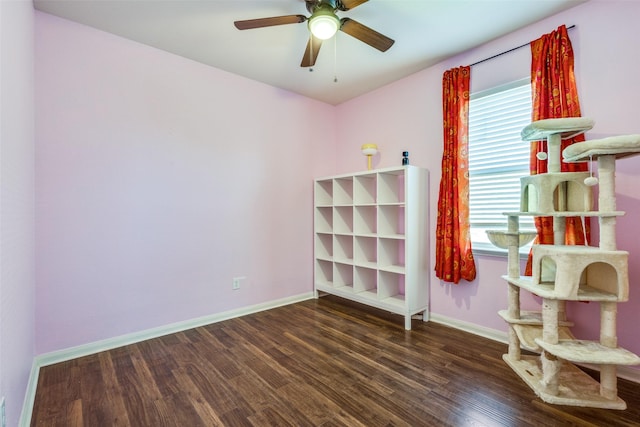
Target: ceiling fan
[(323, 24)]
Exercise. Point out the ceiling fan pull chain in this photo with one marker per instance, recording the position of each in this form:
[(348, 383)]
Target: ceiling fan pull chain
[(310, 51), (335, 58)]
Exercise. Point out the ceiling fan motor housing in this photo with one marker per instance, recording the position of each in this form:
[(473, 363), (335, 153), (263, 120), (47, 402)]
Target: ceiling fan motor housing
[(332, 5)]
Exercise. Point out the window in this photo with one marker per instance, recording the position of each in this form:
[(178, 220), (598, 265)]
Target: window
[(497, 159)]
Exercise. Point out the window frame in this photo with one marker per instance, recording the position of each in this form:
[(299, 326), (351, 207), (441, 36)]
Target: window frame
[(484, 247)]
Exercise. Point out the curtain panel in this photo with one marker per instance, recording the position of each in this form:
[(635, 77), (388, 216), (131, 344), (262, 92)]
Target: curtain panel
[(555, 95), (454, 258)]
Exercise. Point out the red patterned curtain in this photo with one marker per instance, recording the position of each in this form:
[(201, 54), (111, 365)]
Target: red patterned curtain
[(454, 259), (555, 95)]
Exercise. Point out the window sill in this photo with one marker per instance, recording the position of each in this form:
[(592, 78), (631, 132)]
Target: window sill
[(484, 250)]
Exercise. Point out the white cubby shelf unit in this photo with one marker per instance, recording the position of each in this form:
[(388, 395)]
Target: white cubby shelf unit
[(371, 239)]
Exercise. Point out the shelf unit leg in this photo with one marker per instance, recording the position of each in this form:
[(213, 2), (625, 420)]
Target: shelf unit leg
[(407, 322)]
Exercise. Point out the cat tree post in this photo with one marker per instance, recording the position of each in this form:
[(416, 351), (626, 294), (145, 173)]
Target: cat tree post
[(550, 363), (608, 338), (608, 310), (607, 200), (554, 142), (513, 227), (553, 151), (513, 291)]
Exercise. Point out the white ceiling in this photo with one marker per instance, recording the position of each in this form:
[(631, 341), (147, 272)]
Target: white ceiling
[(425, 33)]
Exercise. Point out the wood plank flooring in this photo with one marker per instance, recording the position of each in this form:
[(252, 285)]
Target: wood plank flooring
[(327, 363)]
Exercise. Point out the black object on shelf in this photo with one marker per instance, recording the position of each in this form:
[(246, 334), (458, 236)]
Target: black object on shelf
[(405, 158)]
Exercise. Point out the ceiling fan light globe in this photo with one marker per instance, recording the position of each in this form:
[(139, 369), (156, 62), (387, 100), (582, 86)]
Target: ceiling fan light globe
[(324, 26)]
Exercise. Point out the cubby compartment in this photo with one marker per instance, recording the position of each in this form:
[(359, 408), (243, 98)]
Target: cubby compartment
[(342, 275), (391, 221), (324, 246), (391, 187), (362, 239), (324, 219), (343, 219), (343, 191), (391, 288), (364, 220), (323, 273), (365, 251), (391, 255), (323, 193), (364, 190), (343, 248), (365, 282)]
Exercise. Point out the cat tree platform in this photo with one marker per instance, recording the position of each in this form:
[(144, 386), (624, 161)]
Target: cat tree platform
[(555, 192), (581, 271)]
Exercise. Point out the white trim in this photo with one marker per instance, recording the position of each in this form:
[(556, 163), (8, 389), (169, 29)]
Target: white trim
[(120, 341), (30, 396), (629, 374), (625, 372), (471, 328)]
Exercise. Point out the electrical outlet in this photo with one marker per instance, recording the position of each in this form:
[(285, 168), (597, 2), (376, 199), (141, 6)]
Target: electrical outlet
[(3, 415), (235, 283)]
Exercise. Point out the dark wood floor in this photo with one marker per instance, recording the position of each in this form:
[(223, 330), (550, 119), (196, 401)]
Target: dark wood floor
[(315, 363)]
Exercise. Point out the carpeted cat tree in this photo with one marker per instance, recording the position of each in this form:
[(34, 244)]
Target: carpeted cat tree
[(562, 273)]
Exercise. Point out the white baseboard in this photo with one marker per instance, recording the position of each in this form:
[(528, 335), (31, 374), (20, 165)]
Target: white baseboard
[(472, 328), (30, 395), (120, 341), (624, 372)]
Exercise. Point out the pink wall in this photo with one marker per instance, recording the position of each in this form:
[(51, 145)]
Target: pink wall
[(406, 115), (17, 331), (158, 180)]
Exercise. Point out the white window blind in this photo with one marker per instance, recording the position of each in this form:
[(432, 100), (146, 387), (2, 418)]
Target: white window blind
[(497, 158)]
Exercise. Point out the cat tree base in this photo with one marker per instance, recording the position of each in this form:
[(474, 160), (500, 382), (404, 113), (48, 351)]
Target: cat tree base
[(576, 387)]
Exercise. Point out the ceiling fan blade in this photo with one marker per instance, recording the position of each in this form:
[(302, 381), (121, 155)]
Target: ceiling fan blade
[(349, 4), (366, 34), (269, 22), (311, 52)]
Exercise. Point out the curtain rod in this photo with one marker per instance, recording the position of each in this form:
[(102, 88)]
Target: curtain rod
[(507, 51)]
